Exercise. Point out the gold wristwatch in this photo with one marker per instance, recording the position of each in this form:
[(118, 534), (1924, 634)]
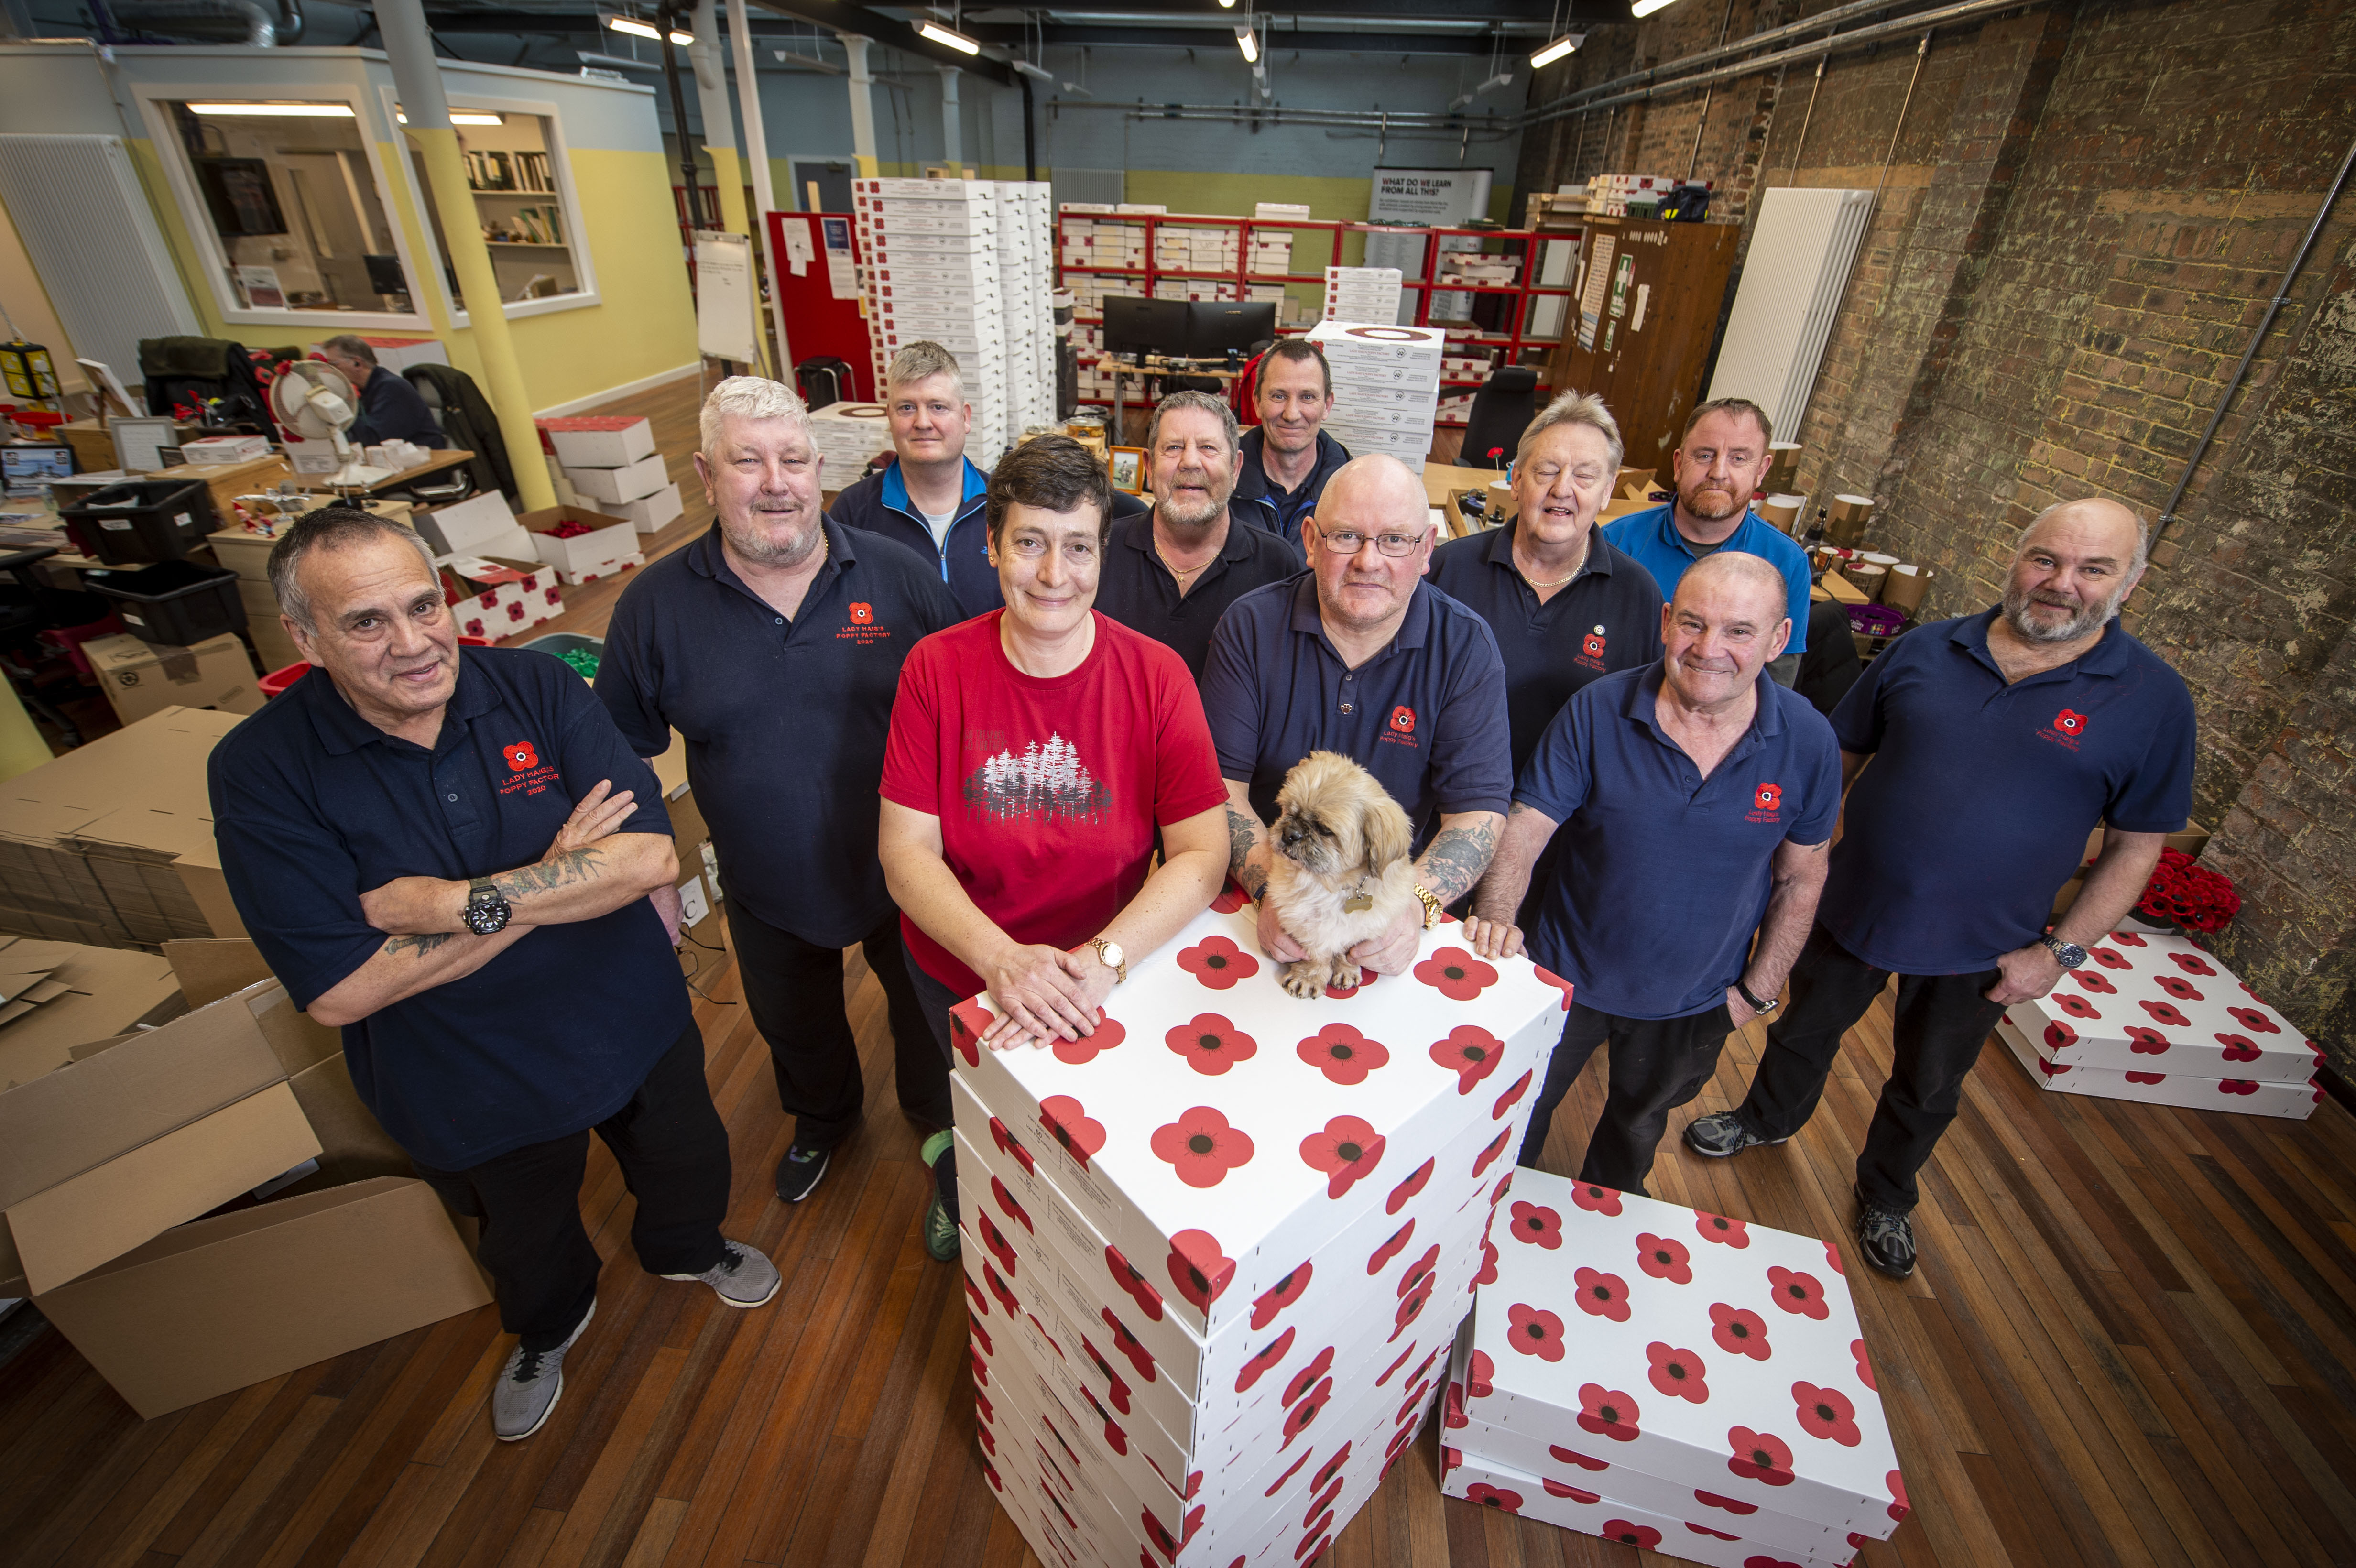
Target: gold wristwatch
[(1109, 953), (1430, 907)]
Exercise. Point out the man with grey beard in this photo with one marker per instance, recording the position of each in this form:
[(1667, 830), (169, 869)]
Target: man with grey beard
[(1999, 741), (1172, 572)]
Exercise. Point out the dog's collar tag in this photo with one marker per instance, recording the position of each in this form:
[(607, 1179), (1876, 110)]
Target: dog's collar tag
[(1359, 901)]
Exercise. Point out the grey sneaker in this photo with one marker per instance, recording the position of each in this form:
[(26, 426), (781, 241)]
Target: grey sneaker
[(529, 1384), (742, 1277), (1721, 1133), (1886, 1237)]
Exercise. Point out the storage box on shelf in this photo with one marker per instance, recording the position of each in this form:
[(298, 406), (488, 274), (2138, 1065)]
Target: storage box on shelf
[(1385, 386), (1216, 1251), (2154, 1017), (1670, 1379)]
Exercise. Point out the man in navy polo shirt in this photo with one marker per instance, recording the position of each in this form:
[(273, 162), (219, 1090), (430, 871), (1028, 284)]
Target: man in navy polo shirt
[(402, 836), (1172, 572), (1717, 467), (1999, 740), (931, 497), (773, 645), (1696, 798), (1360, 655), (1288, 459)]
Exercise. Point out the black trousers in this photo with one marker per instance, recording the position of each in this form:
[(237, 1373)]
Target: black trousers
[(673, 1151), (936, 1001), (1658, 1064), (794, 991), (1941, 1020)]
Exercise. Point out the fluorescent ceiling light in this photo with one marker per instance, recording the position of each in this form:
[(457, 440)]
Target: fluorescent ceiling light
[(1027, 69), (1247, 43), (634, 28), (1646, 7), (1226, 5), (289, 111), (459, 117), (941, 34), (681, 39), (1562, 47)]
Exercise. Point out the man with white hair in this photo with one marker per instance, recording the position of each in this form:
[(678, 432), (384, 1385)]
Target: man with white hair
[(773, 644), (1694, 797), (1172, 572), (1998, 741), (1359, 654), (931, 496)]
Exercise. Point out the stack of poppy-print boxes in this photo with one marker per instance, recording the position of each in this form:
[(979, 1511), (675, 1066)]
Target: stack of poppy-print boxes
[(1216, 1253), (2154, 1017), (1668, 1379)]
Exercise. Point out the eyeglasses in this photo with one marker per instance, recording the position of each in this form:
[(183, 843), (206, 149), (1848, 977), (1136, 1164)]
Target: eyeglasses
[(1346, 541)]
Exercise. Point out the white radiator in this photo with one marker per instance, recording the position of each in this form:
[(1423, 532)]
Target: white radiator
[(83, 215), (1793, 281)]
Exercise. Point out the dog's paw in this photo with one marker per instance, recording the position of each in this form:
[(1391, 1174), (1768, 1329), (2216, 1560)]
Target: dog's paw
[(1304, 979), (1345, 976)]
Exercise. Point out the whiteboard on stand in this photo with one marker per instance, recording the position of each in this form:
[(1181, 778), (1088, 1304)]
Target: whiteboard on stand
[(726, 299)]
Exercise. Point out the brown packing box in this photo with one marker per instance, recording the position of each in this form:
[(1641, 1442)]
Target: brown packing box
[(141, 679), (108, 991), (240, 1297), (2191, 841)]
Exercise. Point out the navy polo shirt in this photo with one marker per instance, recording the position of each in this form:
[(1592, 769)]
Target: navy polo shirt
[(1652, 539), (1980, 794), (1136, 590), (314, 805), (1426, 715), (1607, 618), (785, 719), (1664, 875), (1286, 508), (880, 505)]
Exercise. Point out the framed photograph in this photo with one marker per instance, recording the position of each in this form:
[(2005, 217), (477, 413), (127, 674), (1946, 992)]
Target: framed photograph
[(1127, 466)]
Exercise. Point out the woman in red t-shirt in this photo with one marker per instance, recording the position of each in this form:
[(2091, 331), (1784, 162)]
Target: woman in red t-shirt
[(1035, 752)]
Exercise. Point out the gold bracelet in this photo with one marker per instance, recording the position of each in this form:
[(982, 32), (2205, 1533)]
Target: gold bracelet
[(1432, 907)]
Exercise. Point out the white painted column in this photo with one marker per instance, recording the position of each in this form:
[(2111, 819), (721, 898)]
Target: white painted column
[(862, 107), (952, 122)]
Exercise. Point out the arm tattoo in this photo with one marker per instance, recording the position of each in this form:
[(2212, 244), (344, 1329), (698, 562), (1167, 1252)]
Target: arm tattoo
[(1242, 833), (420, 946), (557, 871), (1456, 860)]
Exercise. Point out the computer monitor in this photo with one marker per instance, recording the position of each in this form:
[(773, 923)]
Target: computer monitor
[(1215, 327), (1134, 325)]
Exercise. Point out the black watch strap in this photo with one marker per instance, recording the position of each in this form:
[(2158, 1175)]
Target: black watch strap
[(1753, 1003)]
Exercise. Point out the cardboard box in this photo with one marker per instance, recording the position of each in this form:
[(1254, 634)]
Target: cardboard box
[(598, 440), (215, 450), (610, 538), (140, 679), (231, 1300), (651, 514), (475, 525), (272, 642), (2158, 1085), (64, 995), (610, 568), (497, 598), (626, 483)]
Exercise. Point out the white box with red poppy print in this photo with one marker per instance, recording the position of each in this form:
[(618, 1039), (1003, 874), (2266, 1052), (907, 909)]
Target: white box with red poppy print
[(1684, 1345), (512, 607), (2249, 1097), (1490, 1483), (2153, 1016)]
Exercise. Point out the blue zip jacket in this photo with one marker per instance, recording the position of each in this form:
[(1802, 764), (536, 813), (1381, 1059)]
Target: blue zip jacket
[(880, 505)]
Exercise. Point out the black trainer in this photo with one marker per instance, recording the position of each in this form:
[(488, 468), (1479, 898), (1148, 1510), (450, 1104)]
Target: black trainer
[(798, 1172), (1722, 1134), (1886, 1238)]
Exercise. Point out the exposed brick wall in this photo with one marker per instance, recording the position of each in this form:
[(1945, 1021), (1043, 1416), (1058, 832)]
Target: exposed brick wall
[(2081, 220)]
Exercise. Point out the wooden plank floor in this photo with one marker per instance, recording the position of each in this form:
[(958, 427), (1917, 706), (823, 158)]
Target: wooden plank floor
[(2132, 1339)]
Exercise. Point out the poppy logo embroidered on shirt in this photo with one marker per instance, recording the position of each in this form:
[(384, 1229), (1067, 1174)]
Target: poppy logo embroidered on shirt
[(1592, 644), (522, 756), (862, 614), (1769, 796), (1403, 719), (2070, 723)]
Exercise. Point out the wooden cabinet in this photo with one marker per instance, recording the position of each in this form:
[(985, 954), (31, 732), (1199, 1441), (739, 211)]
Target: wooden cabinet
[(1647, 310)]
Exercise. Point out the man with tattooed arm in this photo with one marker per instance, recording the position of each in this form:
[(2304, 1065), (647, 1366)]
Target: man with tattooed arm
[(449, 858), (1358, 654)]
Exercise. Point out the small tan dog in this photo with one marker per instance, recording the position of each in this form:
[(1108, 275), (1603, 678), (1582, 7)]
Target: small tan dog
[(1340, 873)]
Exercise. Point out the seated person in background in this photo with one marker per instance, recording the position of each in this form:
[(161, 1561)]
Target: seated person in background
[(1034, 753), (930, 498), (1564, 606), (1288, 459), (1172, 572), (1719, 465), (1360, 655), (1830, 666), (1696, 798), (390, 408)]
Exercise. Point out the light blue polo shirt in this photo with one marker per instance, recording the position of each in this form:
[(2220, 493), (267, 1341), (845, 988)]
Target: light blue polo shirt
[(1653, 539)]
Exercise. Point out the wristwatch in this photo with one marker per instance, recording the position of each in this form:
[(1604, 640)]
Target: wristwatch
[(2069, 955), (486, 912), (1432, 907), (1112, 957), (1761, 1008)]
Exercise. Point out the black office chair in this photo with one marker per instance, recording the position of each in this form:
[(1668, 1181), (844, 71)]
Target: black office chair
[(1210, 384), (1502, 409)]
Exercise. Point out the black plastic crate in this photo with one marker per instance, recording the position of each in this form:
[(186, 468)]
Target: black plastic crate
[(141, 520), (175, 603)]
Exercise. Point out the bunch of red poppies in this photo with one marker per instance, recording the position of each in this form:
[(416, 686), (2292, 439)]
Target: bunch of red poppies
[(2184, 893)]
